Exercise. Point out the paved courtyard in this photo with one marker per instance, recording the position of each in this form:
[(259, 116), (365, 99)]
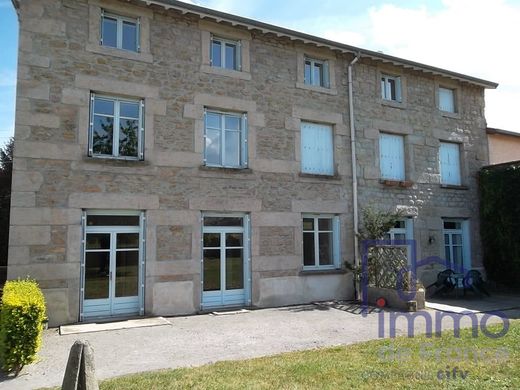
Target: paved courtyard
[(203, 339)]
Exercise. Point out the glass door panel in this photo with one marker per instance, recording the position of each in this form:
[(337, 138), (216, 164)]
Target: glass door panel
[(211, 269), (97, 275), (234, 269), (127, 265)]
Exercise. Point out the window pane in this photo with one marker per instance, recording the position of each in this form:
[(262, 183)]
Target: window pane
[(129, 36), (211, 269), (446, 239), (325, 243), (400, 225), (223, 221), (391, 83), (127, 273), (234, 240), (232, 122), (98, 241), (216, 57), (452, 225), (127, 241), (234, 269), (447, 253), (213, 147), (308, 224), (97, 271), (457, 257), (307, 74), (103, 106), (400, 236), (212, 240), (112, 220), (213, 120), (324, 224), (318, 74), (232, 152), (308, 249), (456, 239), (231, 52), (128, 137), (129, 110), (102, 135), (109, 32)]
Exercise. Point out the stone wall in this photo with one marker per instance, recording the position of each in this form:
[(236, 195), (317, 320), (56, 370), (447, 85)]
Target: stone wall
[(54, 179)]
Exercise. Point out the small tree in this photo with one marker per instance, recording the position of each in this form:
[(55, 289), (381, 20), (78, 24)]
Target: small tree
[(376, 223)]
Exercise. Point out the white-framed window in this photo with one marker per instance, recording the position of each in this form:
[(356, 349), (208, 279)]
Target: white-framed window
[(391, 156), (391, 88), (457, 244), (449, 161), (398, 232), (120, 32), (321, 247), (317, 149), (401, 232), (447, 99), (316, 72), (225, 135), (116, 127), (225, 53)]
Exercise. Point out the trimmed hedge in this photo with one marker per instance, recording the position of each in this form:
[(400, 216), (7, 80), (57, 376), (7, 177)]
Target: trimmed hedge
[(500, 222), (21, 324)]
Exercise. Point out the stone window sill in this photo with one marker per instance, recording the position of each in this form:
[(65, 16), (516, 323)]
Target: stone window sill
[(114, 161), (316, 176), (109, 51), (311, 272), (454, 187), (394, 104), (225, 169), (396, 183), (314, 88), (447, 114), (225, 72)]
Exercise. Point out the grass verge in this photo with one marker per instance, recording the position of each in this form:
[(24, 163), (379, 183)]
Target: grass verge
[(401, 363)]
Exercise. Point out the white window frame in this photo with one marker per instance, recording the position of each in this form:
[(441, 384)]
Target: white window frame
[(335, 242), (119, 34), (324, 81), (386, 88), (446, 179), (243, 144), (329, 171), (451, 107), (115, 133), (466, 244), (402, 168), (223, 43)]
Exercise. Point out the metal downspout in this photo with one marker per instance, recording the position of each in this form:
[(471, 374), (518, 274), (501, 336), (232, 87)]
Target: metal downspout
[(354, 168)]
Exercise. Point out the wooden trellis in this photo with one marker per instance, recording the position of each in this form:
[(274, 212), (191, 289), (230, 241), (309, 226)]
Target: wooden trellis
[(385, 264)]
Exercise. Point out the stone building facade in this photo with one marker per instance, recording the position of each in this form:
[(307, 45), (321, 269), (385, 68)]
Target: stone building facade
[(219, 189)]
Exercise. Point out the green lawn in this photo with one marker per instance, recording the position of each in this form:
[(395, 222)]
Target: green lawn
[(488, 363)]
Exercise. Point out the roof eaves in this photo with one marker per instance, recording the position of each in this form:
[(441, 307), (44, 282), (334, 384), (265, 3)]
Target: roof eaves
[(491, 130), (252, 24)]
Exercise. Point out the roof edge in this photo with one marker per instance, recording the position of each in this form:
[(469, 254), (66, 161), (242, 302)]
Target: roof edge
[(307, 38), (492, 130)]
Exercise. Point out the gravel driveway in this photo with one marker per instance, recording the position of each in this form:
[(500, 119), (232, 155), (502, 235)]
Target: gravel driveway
[(202, 339)]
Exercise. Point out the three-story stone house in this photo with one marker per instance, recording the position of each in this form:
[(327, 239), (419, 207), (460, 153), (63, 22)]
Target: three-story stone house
[(171, 159)]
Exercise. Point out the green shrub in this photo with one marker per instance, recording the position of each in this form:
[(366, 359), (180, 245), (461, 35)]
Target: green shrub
[(500, 222), (21, 324)]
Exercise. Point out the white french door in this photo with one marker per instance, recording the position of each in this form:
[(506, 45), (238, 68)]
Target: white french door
[(456, 244), (112, 280), (225, 261)]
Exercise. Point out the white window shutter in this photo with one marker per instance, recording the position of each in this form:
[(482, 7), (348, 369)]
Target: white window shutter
[(449, 156), (244, 146), (205, 136), (101, 27), (91, 125), (398, 90), (239, 56), (446, 100), (211, 49), (336, 241), (391, 157), (317, 155), (140, 136), (138, 35), (326, 74)]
